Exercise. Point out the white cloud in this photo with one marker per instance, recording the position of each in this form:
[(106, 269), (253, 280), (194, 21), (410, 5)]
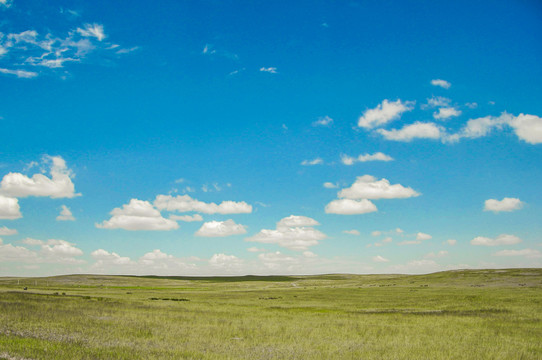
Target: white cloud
[(418, 130), (350, 207), (480, 127), (471, 105), (293, 232), (388, 239), (422, 236), (378, 156), (92, 30), (104, 257), (65, 214), (384, 113), (186, 218), (446, 113), (316, 161), (271, 70), (506, 204), (5, 231), (296, 221), (368, 187), (9, 208), (376, 233), (437, 101), (226, 262), (399, 231), (416, 267), (451, 242), (10, 253), (528, 253), (221, 229), (379, 258), (503, 239), (527, 127), (19, 73), (184, 203), (433, 255), (442, 83), (137, 215), (277, 260), (323, 121), (329, 185), (59, 185), (351, 232), (60, 251)]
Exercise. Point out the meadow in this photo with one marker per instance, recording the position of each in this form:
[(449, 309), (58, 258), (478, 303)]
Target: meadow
[(467, 314)]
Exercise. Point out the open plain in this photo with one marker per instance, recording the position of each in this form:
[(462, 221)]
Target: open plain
[(467, 314)]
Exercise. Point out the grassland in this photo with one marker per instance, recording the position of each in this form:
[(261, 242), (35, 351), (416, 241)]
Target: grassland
[(474, 314)]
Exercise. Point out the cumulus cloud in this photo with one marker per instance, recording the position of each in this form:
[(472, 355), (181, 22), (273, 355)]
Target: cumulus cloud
[(138, 215), (503, 239), (104, 257), (221, 229), (384, 113), (316, 161), (9, 208), (446, 113), (184, 203), (506, 204), (528, 253), (418, 130), (323, 121), (226, 262), (527, 127), (423, 236), (379, 258), (186, 218), (10, 253), (293, 232), (330, 185), (350, 207), (59, 185), (51, 251), (65, 214), (351, 232), (368, 187), (451, 242), (442, 83), (5, 231), (378, 156)]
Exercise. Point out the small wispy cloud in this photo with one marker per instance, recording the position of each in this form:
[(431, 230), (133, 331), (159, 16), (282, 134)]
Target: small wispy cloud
[(442, 83), (92, 30), (317, 161), (271, 70), (378, 156), (19, 73), (323, 121)]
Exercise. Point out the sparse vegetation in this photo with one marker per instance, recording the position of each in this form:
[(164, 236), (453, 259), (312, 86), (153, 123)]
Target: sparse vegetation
[(474, 314)]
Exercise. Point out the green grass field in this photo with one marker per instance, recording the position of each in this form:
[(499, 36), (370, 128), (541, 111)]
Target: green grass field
[(471, 314)]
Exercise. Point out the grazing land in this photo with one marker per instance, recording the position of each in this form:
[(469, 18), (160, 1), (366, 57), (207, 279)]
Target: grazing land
[(467, 314)]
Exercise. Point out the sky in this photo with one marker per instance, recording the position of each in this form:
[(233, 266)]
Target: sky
[(269, 137)]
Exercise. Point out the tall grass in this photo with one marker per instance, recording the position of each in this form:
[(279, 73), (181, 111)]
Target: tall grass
[(451, 315)]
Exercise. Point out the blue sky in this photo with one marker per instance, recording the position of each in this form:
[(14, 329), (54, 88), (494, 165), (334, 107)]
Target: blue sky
[(253, 137)]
